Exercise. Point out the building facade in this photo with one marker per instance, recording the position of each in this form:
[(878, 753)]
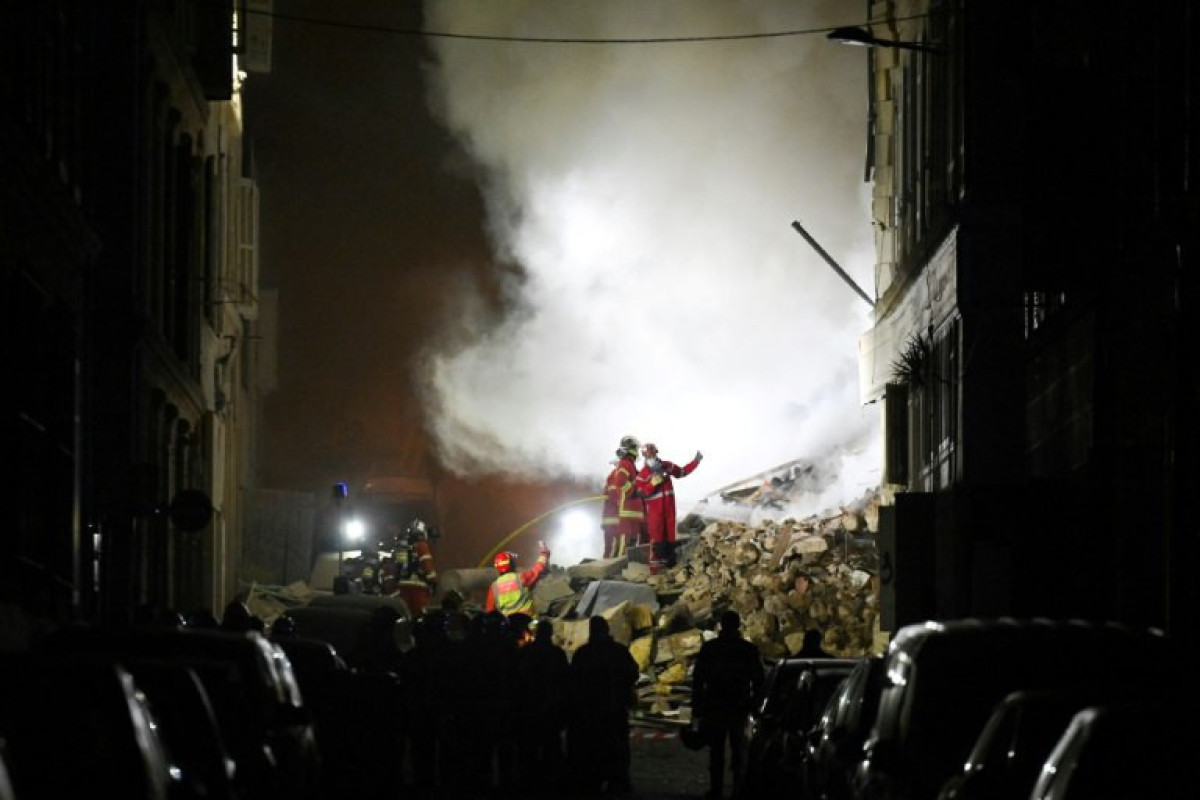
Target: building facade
[(128, 238), (1036, 217)]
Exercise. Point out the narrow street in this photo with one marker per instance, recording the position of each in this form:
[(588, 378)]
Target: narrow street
[(663, 769)]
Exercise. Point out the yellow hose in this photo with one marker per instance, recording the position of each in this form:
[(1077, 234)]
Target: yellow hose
[(487, 560)]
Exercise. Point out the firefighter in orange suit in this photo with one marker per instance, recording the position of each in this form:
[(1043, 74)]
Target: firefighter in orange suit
[(425, 568), (654, 481), (411, 558), (511, 592), (623, 518)]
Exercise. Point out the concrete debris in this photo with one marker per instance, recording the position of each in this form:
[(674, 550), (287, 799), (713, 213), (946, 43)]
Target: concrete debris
[(783, 578), (599, 569), (602, 595), (547, 593)]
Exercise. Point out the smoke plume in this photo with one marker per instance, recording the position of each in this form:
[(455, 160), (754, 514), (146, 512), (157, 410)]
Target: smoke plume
[(640, 201)]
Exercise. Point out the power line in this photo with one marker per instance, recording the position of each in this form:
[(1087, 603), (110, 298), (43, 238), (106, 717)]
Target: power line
[(555, 39)]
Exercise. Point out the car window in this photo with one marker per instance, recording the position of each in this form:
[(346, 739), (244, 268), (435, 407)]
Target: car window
[(286, 677), (844, 704)]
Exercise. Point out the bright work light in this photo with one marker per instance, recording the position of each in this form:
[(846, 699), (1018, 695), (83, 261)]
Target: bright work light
[(354, 530)]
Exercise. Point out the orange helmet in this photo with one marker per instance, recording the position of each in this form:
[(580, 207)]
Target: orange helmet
[(504, 561)]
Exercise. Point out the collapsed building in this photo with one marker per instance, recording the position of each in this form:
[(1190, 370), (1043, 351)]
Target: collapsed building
[(783, 576)]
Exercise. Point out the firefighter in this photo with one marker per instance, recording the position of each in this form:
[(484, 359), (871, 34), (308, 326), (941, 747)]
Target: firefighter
[(654, 482), (411, 558), (623, 518), (511, 592), (368, 570), (422, 554)]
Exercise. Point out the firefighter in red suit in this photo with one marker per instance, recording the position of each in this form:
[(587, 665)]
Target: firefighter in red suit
[(623, 518), (511, 592), (654, 482)]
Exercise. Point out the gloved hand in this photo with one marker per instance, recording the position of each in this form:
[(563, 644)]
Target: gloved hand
[(543, 550), (656, 480), (699, 456)]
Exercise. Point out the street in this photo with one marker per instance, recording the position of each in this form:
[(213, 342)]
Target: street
[(663, 769)]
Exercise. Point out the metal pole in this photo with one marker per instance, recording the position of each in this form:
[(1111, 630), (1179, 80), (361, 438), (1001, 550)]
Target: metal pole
[(829, 260), (341, 536)]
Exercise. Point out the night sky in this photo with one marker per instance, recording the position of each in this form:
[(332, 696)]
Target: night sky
[(495, 258)]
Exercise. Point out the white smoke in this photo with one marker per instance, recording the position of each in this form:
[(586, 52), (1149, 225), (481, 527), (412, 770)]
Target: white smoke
[(645, 194)]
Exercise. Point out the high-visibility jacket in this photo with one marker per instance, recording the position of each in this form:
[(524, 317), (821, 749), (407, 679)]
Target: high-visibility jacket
[(511, 596), (510, 593)]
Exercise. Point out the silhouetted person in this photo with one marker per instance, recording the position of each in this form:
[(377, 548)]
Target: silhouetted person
[(201, 618), (544, 671), (433, 687), (283, 628), (487, 747), (811, 647), (238, 618), (377, 650), (520, 628), (603, 677), (726, 683)]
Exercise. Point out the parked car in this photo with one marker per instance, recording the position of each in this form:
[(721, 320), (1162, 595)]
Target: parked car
[(257, 702), (942, 681), (6, 790), (794, 693), (74, 727), (318, 668), (196, 750), (1018, 738), (344, 621), (1137, 749), (836, 741)]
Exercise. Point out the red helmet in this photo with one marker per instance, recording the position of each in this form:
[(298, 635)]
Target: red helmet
[(504, 561)]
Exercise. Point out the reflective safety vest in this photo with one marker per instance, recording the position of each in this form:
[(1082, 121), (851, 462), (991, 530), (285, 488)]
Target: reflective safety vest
[(511, 595)]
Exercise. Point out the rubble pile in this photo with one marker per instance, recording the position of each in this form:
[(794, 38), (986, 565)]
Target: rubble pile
[(783, 578)]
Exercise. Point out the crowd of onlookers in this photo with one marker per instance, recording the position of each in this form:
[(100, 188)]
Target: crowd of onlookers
[(486, 703)]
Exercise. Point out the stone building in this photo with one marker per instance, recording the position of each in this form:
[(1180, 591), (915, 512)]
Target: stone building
[(128, 239), (1034, 178)]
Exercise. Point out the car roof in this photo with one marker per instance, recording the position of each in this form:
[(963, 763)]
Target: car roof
[(816, 664), (1008, 632)]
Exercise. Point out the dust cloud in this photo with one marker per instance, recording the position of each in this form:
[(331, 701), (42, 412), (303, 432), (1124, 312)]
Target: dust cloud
[(639, 205)]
